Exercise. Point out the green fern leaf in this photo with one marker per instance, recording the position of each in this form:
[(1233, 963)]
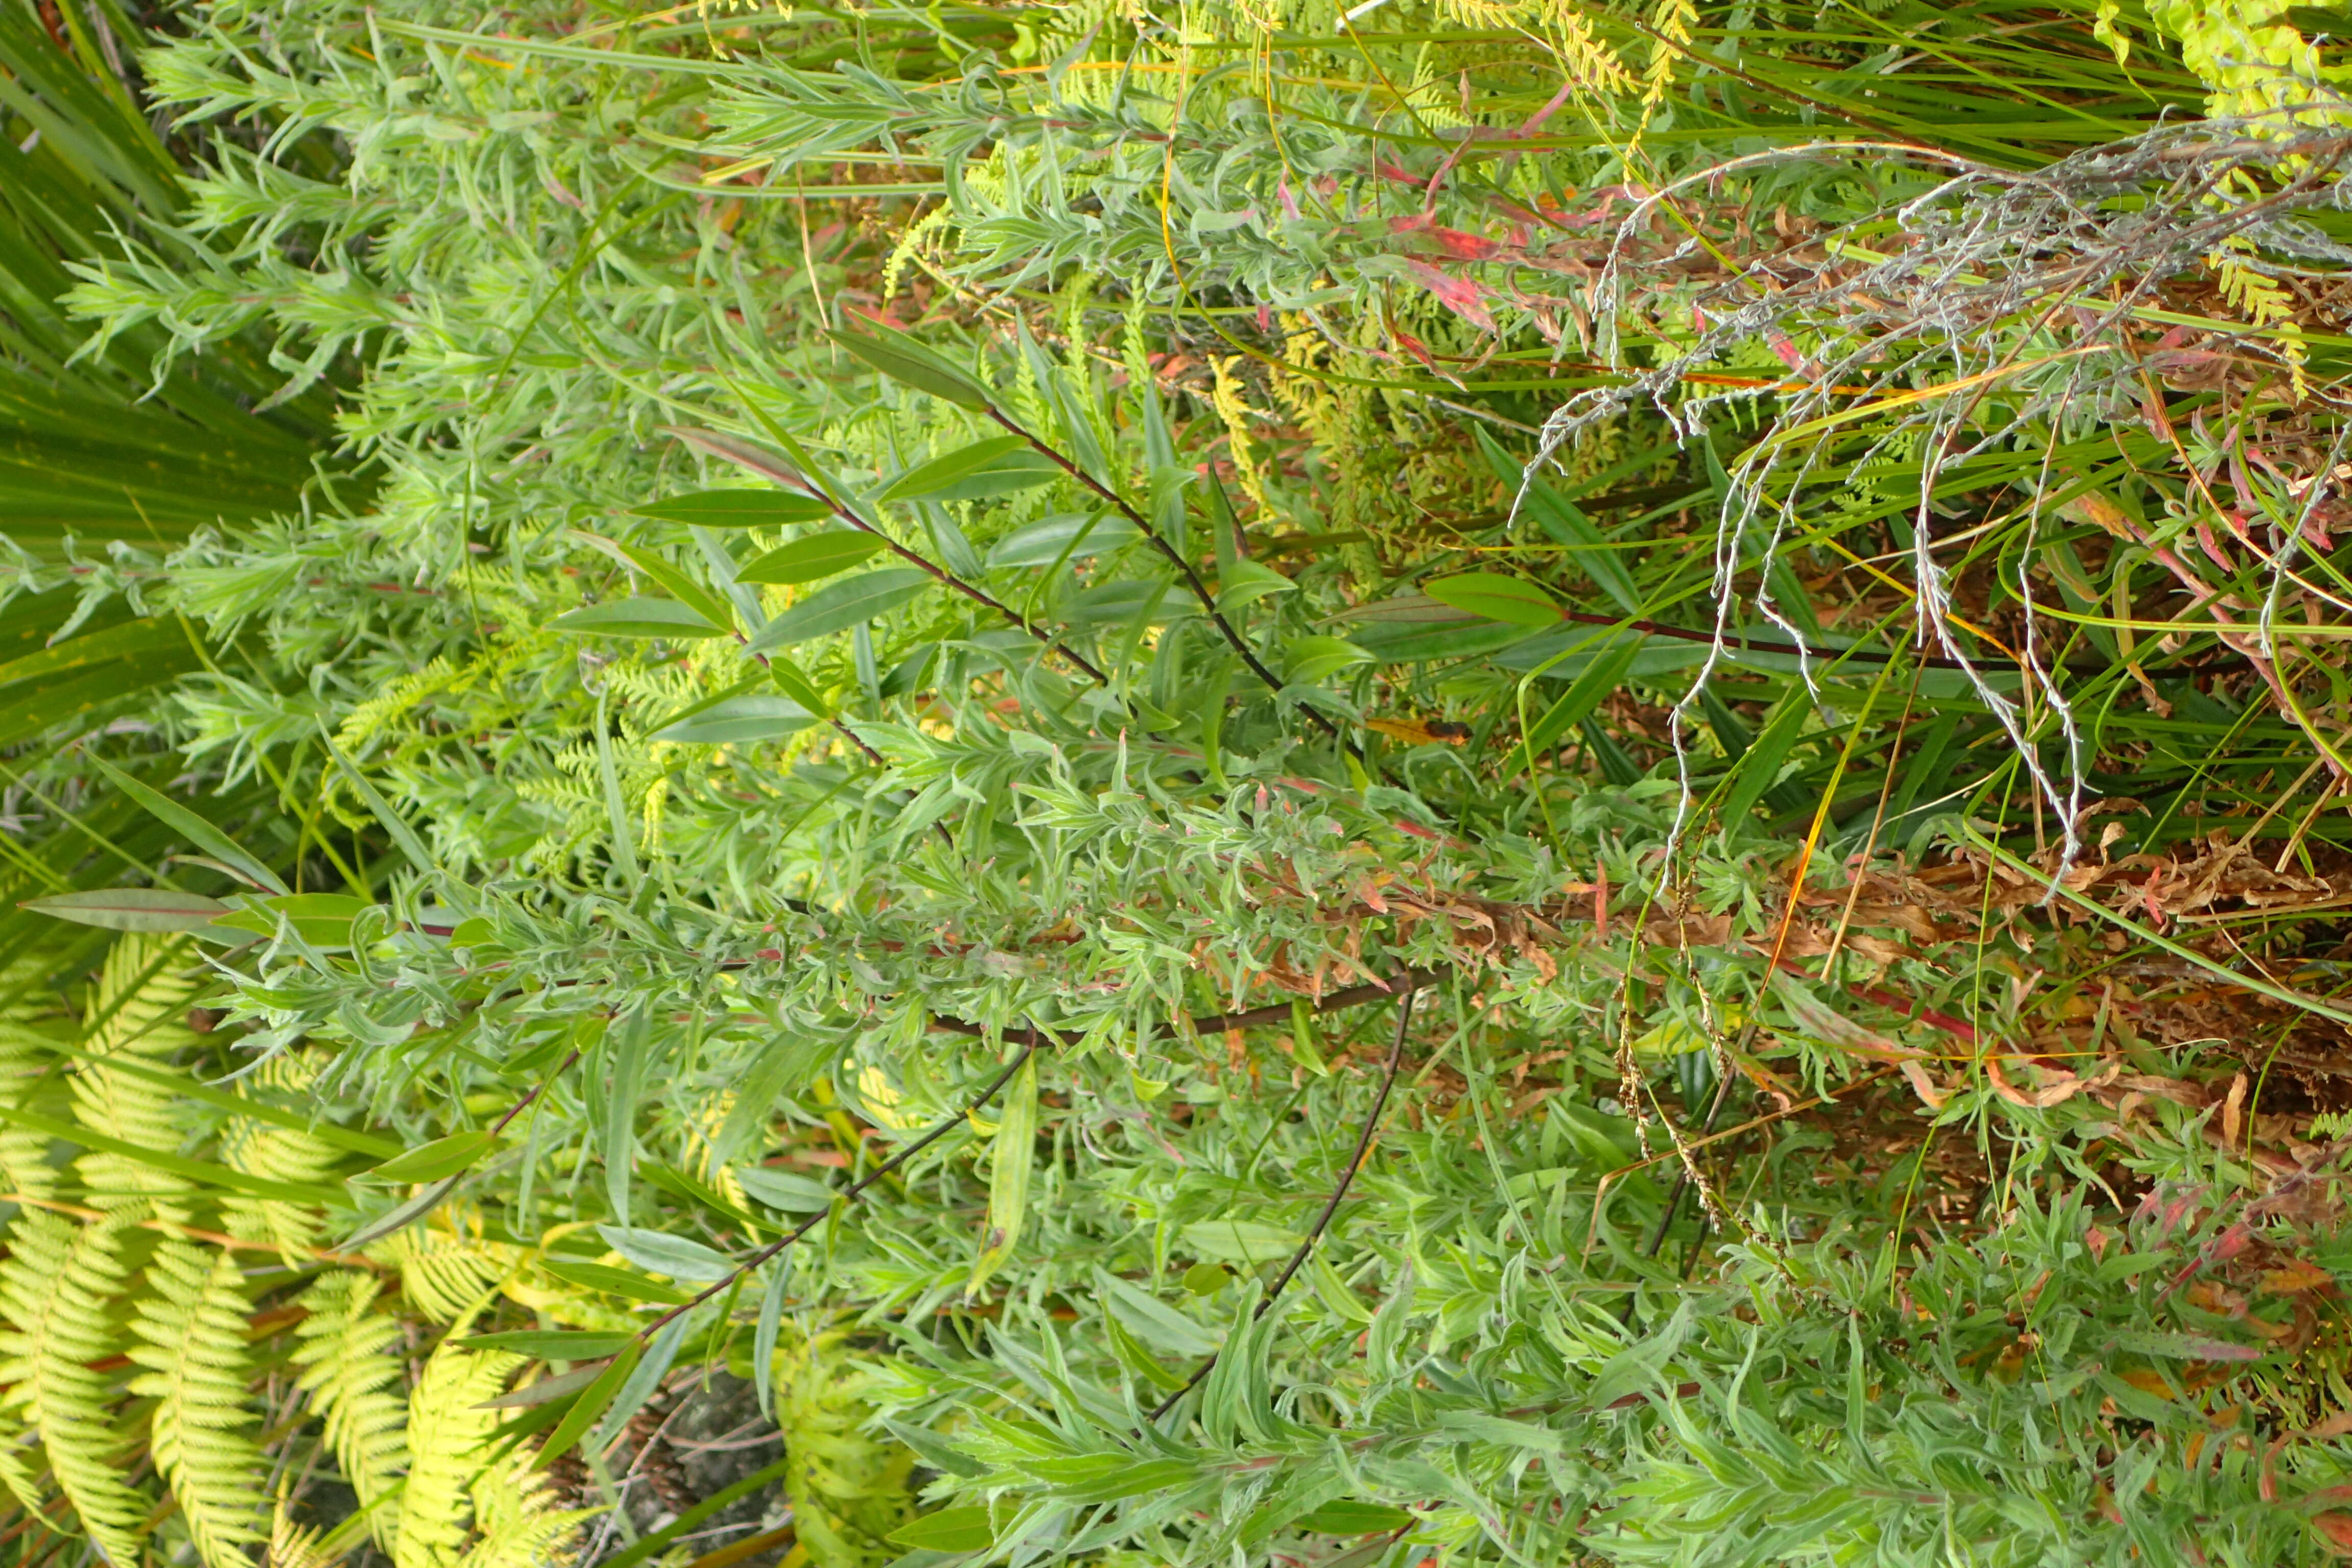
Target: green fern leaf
[(191, 1320), (54, 1288), (136, 1011), (447, 1438), (514, 1509), (23, 1153), (353, 1377), (281, 1154)]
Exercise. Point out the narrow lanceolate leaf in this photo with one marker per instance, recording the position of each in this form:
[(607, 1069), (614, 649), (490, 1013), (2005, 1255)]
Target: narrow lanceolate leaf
[(817, 555), (590, 1404), (680, 586), (132, 908), (841, 605), (202, 834), (736, 509), (643, 616), (1497, 598), (677, 1257), (904, 360), (755, 717), (431, 1162), (553, 1344), (1012, 1158), (1002, 466), (1604, 675), (958, 1530)]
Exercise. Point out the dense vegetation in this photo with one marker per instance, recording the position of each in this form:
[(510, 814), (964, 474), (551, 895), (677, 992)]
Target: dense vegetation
[(1462, 781)]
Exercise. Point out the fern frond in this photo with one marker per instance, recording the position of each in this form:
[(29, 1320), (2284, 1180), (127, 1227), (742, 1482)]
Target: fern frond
[(446, 1439), (292, 1545), (136, 1012), (514, 1509), (192, 1319), (54, 1288), (24, 1161), (282, 1154), (353, 1373), (446, 1265)]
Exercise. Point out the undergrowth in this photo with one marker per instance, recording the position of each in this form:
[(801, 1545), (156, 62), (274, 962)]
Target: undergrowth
[(1464, 781)]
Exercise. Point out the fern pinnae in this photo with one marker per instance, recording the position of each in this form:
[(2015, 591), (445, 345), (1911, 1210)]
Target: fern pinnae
[(351, 1368), (448, 1436), (141, 990), (55, 1287), (191, 1320)]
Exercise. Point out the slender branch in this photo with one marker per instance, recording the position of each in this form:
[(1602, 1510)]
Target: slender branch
[(854, 1191), (767, 467), (1174, 557), (1412, 979), (1330, 1206)]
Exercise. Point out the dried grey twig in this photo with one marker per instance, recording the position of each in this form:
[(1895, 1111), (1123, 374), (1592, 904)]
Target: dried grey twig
[(2013, 290)]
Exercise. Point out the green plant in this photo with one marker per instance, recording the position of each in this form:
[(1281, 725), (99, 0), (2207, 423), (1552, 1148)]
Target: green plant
[(1086, 741)]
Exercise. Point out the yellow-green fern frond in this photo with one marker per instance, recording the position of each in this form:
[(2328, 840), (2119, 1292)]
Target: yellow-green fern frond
[(191, 1319), (848, 1491), (282, 1154), (136, 1013), (514, 1509), (292, 1545), (447, 1438), (444, 1265), (348, 1354), (59, 1280), (23, 1153)]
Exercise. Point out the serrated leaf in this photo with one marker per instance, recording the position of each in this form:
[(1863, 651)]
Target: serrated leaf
[(841, 605), (1495, 597), (736, 509), (640, 617), (817, 555)]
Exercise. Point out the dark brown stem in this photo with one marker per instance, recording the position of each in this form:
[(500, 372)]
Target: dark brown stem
[(524, 1104), (760, 463), (1412, 979), (852, 1194), (1332, 1205), (1174, 557)]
